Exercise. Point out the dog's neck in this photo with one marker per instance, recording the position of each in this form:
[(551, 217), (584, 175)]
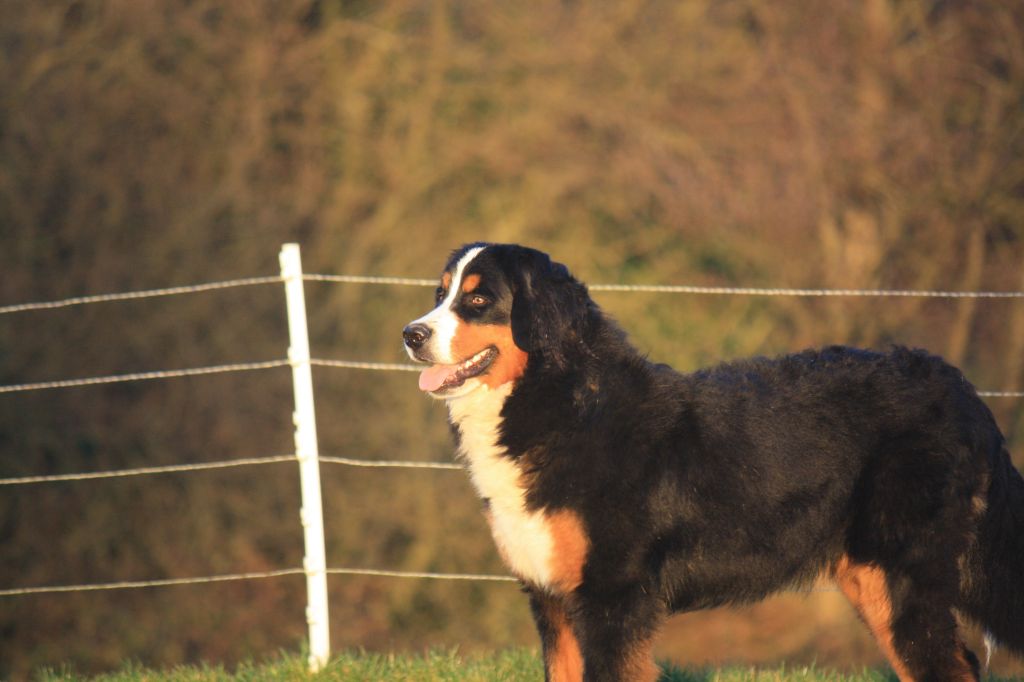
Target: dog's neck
[(477, 416), (522, 535)]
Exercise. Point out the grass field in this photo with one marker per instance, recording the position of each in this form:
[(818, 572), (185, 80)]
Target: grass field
[(447, 666)]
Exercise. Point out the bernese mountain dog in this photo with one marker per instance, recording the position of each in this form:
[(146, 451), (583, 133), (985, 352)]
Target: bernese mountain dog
[(619, 491)]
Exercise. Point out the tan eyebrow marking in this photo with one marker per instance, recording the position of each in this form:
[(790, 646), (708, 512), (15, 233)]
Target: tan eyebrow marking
[(470, 283), (446, 280)]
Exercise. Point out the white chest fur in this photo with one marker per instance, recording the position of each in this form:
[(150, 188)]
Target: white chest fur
[(523, 537)]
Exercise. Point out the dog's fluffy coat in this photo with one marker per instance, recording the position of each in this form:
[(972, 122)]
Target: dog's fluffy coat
[(619, 490)]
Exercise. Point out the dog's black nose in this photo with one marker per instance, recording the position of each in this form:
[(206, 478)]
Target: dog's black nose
[(416, 335)]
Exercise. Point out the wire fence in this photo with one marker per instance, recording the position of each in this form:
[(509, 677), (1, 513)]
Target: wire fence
[(419, 282), (416, 282), (352, 365)]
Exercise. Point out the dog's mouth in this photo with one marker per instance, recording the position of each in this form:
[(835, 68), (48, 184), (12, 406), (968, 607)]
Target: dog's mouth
[(441, 378)]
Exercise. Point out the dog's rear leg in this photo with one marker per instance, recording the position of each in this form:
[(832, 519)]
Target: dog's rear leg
[(916, 631)]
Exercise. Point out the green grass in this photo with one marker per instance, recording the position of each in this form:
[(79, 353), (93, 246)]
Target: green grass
[(517, 664), (445, 666)]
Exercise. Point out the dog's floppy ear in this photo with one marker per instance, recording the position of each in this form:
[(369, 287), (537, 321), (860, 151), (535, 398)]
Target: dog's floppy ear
[(550, 308)]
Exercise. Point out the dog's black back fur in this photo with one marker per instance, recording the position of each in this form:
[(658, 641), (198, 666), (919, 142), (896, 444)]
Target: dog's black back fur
[(725, 485)]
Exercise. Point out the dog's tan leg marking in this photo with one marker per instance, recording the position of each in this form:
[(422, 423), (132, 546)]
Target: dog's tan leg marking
[(564, 660), (864, 585), (569, 549)]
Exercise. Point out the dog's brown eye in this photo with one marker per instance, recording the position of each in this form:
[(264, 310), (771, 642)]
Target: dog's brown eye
[(439, 294), (477, 301)]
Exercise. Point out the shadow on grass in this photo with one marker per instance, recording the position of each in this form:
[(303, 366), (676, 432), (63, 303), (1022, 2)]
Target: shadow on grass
[(671, 673), (674, 673)]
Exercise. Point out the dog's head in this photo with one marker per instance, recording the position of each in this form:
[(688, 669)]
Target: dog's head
[(498, 307)]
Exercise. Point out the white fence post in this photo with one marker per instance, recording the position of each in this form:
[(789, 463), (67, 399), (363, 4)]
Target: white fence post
[(315, 562)]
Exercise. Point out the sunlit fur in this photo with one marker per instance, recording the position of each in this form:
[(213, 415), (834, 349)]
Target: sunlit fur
[(522, 536), (619, 490), (442, 320), (454, 339)]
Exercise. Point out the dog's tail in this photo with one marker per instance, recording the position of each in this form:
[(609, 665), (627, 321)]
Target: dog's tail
[(993, 573)]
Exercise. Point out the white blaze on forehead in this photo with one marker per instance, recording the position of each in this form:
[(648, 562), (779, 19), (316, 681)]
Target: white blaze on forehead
[(442, 320)]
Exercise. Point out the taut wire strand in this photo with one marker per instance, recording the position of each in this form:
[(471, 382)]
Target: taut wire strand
[(135, 584), (690, 289), (372, 572), (147, 293), (130, 584), (206, 466), (418, 574), (390, 464), (755, 291), (143, 471), (353, 364), (419, 282), (142, 376), (367, 279)]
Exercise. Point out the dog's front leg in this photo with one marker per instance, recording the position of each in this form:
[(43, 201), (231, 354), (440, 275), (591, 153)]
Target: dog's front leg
[(563, 661), (616, 630)]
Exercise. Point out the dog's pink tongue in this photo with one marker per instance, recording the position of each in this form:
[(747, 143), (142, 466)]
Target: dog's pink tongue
[(432, 378)]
